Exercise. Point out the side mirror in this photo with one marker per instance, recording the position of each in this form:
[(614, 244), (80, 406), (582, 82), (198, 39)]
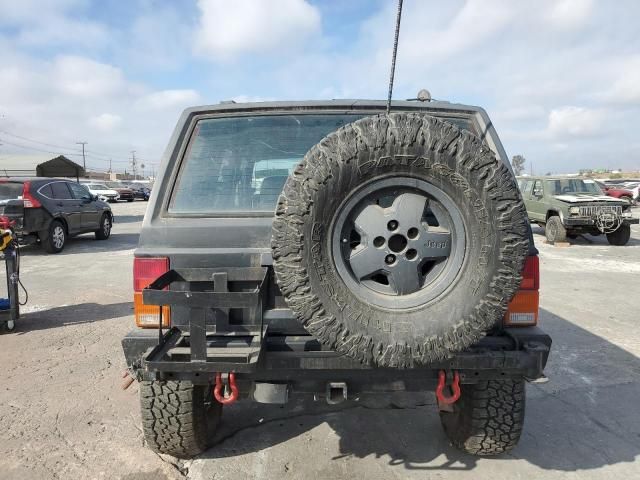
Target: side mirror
[(537, 193)]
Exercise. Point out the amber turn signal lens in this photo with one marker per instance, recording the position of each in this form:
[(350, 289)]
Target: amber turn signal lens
[(148, 316), (523, 309)]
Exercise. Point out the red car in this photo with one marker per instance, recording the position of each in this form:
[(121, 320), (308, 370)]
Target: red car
[(616, 192)]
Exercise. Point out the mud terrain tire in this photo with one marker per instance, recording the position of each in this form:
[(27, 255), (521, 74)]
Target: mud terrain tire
[(178, 418), (554, 230), (621, 236), (488, 418), (429, 152)]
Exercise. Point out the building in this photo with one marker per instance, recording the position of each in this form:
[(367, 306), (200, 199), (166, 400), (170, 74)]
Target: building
[(39, 166)]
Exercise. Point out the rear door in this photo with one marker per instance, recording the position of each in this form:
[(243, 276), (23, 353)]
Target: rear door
[(89, 209), (66, 205)]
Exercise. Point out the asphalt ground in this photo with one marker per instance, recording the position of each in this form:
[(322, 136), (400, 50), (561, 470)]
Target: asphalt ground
[(63, 414)]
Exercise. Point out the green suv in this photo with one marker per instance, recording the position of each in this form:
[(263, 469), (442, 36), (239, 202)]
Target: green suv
[(568, 207)]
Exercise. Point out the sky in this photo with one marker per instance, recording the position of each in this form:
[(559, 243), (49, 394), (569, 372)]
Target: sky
[(559, 78)]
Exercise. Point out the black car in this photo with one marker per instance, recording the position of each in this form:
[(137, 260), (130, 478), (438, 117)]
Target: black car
[(52, 210)]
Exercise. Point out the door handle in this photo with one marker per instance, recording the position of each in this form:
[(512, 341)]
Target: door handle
[(60, 204)]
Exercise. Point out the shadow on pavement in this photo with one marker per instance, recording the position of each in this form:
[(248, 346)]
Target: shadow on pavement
[(71, 315), (87, 243), (585, 418), (128, 218), (585, 239)]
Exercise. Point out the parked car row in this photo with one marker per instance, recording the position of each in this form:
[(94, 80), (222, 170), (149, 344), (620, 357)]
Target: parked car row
[(115, 191), (50, 210)]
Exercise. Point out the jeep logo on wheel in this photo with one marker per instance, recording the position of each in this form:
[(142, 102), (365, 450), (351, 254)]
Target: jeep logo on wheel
[(435, 244)]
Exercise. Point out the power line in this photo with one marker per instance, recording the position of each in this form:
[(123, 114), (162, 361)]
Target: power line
[(27, 147), (35, 141), (88, 153)]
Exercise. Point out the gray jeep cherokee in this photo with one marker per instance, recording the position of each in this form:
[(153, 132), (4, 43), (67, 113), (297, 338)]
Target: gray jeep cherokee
[(332, 250)]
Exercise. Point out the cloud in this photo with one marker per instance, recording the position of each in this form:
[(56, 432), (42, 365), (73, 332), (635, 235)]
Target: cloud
[(169, 99), (48, 23), (575, 122), (71, 98), (83, 77), (105, 122), (229, 29), (570, 14), (626, 86)]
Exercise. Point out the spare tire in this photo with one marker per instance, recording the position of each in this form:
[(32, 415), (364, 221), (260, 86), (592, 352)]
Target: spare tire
[(399, 240)]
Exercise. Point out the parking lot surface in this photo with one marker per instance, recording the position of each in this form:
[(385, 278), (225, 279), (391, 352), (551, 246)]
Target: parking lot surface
[(63, 414)]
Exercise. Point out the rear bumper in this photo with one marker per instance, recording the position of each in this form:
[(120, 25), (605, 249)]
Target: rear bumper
[(302, 363)]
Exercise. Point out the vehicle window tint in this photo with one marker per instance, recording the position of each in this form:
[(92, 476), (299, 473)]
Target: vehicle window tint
[(79, 191), (241, 164), (60, 191), (537, 187), (527, 186), (10, 191), (46, 191)]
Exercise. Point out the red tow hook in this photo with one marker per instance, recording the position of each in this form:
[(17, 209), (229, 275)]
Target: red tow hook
[(218, 393), (455, 387)]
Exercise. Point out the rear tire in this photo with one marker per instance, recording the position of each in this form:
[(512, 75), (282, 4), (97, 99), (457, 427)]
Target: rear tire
[(178, 417), (55, 237), (488, 418), (554, 230), (621, 236)]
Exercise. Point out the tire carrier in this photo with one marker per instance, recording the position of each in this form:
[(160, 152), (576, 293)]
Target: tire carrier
[(204, 348)]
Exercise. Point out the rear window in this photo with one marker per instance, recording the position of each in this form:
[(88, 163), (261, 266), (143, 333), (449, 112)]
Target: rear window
[(241, 164), (10, 191)]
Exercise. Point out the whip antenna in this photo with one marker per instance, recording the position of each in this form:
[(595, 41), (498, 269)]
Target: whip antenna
[(393, 57)]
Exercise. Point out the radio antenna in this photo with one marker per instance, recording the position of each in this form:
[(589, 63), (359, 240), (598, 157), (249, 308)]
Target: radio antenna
[(393, 57)]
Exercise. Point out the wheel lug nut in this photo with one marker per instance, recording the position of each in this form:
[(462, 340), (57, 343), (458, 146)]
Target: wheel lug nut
[(389, 259)]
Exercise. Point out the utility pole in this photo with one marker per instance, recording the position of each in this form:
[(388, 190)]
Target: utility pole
[(133, 163), (84, 163)]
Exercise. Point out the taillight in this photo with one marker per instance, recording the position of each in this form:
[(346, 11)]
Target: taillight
[(145, 271), (28, 199), (523, 309), (6, 222), (531, 274)]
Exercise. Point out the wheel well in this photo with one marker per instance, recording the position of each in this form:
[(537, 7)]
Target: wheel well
[(64, 223), (552, 213), (42, 234)]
